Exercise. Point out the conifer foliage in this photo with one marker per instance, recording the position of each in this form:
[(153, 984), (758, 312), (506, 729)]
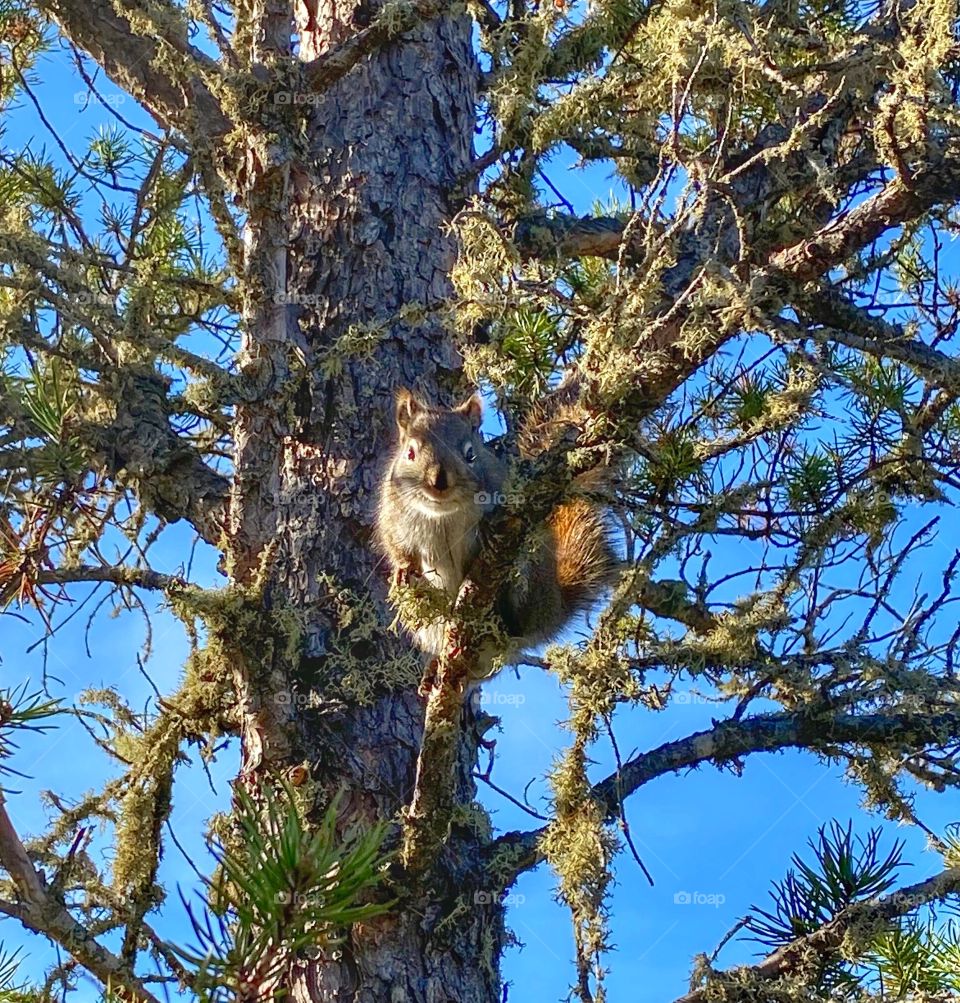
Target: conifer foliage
[(294, 207)]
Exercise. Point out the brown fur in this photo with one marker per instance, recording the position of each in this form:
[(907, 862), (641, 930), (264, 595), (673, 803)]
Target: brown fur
[(585, 561), (572, 565)]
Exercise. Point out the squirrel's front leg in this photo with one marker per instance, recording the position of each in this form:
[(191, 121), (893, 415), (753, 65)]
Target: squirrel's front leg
[(406, 571)]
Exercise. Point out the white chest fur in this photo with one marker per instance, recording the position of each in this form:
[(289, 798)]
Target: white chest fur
[(446, 545)]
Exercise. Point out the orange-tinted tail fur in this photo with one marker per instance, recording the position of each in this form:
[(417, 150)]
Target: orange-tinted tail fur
[(576, 560), (574, 564), (585, 561)]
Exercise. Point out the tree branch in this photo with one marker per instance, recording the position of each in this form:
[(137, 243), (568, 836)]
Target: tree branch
[(539, 235), (729, 740), (133, 60), (139, 445), (141, 448), (847, 324), (327, 69), (895, 204), (427, 818), (43, 913), (145, 578), (668, 600), (828, 939)]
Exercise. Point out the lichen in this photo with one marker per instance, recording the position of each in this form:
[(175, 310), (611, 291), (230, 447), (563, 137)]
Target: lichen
[(354, 666), (580, 846)]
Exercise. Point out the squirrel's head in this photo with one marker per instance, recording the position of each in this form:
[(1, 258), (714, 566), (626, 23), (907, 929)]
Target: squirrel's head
[(439, 466)]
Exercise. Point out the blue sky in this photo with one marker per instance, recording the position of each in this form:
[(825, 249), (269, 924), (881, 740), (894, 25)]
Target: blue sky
[(717, 837)]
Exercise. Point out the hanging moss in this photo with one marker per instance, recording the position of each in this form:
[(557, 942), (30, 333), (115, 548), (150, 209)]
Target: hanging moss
[(579, 845), (199, 710)]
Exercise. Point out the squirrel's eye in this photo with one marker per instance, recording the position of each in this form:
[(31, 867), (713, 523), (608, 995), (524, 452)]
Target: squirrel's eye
[(468, 452), (411, 453)]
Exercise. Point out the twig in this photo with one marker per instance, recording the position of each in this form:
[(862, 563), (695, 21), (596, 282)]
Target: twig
[(43, 913)]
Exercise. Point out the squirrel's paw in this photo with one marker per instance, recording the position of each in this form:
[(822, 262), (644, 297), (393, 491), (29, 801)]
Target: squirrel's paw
[(404, 575)]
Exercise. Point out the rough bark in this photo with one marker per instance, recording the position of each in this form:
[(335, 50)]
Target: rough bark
[(347, 158), (344, 230)]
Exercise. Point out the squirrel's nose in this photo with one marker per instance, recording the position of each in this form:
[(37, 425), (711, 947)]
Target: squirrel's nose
[(438, 478)]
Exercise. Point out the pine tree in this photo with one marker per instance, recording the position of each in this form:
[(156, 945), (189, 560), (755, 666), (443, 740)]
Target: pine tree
[(204, 322)]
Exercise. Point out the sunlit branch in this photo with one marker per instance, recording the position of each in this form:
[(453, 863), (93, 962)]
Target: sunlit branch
[(143, 578), (731, 739), (847, 324), (132, 61), (601, 236), (39, 910), (827, 941), (894, 205)]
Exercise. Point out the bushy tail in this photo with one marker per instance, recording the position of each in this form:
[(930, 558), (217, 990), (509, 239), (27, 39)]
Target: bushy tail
[(585, 561), (569, 573), (576, 561)]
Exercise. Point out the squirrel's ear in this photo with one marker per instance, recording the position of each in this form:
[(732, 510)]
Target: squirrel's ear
[(472, 410), (407, 408)]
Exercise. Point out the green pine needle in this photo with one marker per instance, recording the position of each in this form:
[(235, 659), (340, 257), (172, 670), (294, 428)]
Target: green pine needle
[(20, 711), (282, 886), (846, 869)]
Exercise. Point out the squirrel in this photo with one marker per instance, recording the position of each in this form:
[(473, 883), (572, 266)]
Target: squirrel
[(441, 482)]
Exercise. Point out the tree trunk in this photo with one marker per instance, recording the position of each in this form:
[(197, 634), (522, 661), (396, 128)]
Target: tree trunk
[(345, 228)]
